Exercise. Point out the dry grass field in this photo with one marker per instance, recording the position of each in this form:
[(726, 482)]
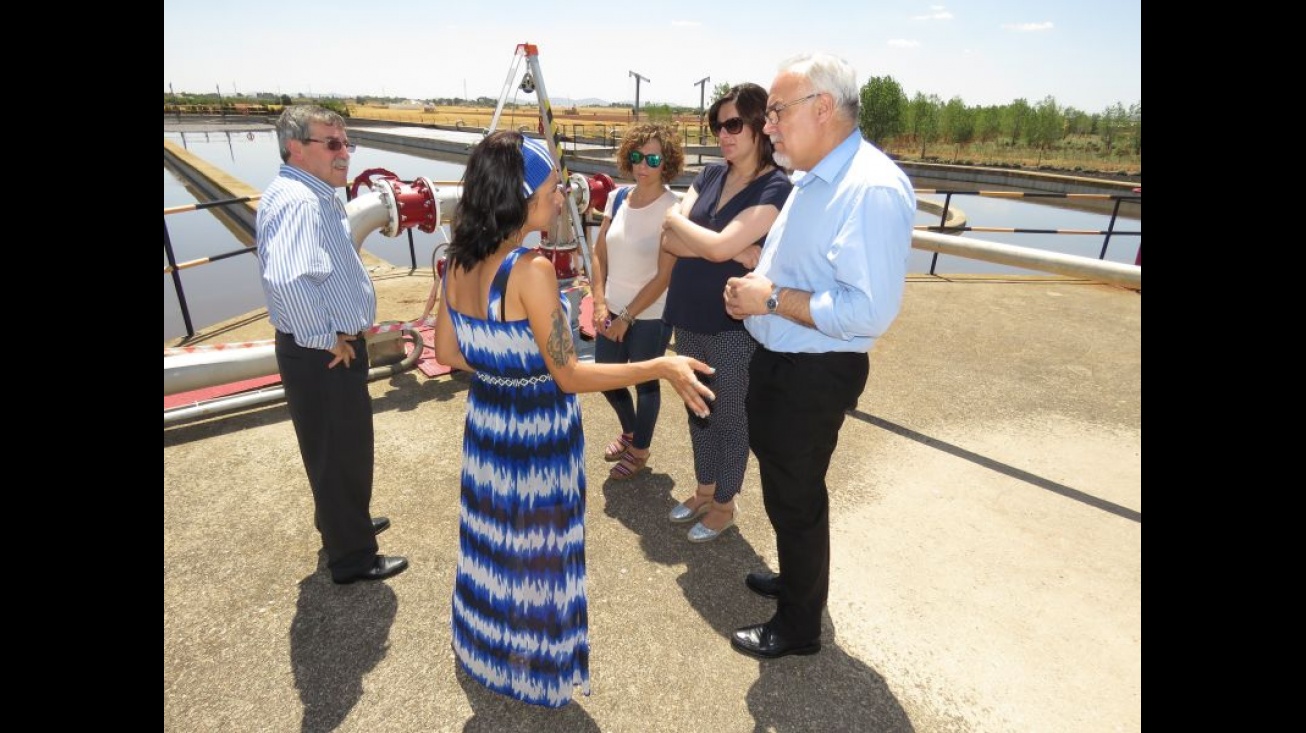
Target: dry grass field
[(1073, 156)]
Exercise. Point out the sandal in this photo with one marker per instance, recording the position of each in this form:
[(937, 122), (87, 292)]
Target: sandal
[(617, 448), (683, 512), (629, 465), (702, 533)]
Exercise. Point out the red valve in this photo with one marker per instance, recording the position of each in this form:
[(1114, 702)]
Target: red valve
[(416, 204), (600, 186), (365, 179)]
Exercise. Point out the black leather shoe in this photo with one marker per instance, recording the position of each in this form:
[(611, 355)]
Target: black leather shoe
[(764, 642), (764, 583), (384, 566), (380, 524)]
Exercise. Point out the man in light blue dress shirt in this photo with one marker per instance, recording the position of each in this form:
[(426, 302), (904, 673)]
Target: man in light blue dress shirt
[(321, 301), (829, 283)]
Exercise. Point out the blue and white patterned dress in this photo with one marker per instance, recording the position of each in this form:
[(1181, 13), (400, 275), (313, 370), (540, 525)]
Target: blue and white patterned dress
[(520, 619)]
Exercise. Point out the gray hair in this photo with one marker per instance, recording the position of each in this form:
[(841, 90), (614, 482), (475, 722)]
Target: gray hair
[(293, 124), (829, 74)]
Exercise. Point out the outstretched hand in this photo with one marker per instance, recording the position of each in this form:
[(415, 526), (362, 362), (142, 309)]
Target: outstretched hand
[(682, 373)]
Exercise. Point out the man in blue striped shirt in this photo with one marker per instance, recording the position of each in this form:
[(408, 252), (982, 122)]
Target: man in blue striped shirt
[(320, 300), (828, 284)]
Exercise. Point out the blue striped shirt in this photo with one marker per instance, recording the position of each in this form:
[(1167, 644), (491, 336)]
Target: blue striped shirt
[(313, 279), (844, 236)]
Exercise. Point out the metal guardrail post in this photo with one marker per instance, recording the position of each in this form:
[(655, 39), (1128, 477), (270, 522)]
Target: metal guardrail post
[(176, 279), (1110, 227)]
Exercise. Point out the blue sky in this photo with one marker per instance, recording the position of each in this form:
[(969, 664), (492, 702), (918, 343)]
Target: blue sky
[(1085, 55)]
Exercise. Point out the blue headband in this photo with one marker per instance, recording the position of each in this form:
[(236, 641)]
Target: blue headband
[(538, 164)]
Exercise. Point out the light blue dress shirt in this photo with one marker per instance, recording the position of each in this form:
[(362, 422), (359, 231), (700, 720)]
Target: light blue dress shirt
[(844, 236), (313, 279)]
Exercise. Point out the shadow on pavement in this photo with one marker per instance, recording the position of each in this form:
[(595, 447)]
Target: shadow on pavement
[(829, 691), (338, 635)]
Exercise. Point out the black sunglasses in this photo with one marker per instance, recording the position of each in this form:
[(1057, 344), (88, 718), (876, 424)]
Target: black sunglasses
[(653, 159), (734, 126), (334, 144)]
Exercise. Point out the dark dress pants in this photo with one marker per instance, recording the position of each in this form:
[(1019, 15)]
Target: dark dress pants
[(796, 404), (332, 413)]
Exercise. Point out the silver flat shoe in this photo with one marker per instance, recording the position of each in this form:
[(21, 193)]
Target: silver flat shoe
[(702, 533), (681, 513)]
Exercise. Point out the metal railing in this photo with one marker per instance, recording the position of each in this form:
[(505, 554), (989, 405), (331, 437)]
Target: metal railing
[(174, 268), (1110, 231)]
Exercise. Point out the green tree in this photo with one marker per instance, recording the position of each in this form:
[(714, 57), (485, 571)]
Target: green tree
[(923, 119), (1077, 122), (1136, 114), (719, 91), (1114, 118), (883, 103), (1047, 126), (1014, 118), (956, 122), (988, 123)]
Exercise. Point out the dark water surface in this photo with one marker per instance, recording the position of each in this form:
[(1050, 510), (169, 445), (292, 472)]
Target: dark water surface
[(227, 288)]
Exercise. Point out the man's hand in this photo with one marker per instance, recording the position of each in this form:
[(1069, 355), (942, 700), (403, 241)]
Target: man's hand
[(343, 350), (746, 296)]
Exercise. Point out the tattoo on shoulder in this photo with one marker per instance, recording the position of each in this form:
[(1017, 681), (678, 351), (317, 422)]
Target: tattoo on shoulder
[(561, 348)]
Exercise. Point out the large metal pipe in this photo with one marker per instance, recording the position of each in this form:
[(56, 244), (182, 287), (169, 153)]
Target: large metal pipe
[(275, 394), (391, 206), (1111, 273), (200, 369)]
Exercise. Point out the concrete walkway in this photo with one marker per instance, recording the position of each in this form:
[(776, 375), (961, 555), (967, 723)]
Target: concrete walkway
[(987, 536)]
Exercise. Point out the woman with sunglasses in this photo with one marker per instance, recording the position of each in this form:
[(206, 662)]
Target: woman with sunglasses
[(716, 234), (520, 620), (629, 285)]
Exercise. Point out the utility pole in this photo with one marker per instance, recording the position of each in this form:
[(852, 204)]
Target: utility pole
[(638, 79), (221, 107), (702, 88), (174, 101)]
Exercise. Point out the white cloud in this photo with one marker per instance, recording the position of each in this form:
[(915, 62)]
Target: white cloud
[(686, 23), (937, 12), (903, 43), (1028, 27)]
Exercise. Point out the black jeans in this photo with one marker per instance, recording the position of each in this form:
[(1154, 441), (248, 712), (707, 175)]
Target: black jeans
[(796, 404), (332, 413), (646, 339)]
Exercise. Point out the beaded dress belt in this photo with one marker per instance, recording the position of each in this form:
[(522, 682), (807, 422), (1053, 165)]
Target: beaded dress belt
[(514, 381)]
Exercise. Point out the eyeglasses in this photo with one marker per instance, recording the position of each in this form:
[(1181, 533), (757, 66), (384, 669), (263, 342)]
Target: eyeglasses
[(773, 112), (334, 144), (652, 159), (734, 126)]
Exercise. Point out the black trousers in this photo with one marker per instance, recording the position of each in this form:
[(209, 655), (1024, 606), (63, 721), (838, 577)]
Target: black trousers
[(796, 404), (332, 413)]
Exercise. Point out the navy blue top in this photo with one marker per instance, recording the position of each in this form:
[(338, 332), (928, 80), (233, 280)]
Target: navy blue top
[(694, 295)]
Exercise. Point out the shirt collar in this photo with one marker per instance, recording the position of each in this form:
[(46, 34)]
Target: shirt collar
[(834, 161), (315, 184)]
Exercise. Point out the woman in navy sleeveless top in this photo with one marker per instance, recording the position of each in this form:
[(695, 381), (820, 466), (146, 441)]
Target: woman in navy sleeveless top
[(717, 233)]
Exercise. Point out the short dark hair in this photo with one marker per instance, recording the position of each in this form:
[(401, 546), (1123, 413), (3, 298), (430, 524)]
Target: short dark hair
[(294, 122)]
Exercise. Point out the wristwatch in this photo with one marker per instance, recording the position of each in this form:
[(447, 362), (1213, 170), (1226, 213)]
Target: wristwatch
[(773, 302)]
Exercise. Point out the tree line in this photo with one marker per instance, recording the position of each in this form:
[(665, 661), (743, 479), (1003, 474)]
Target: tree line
[(888, 117)]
